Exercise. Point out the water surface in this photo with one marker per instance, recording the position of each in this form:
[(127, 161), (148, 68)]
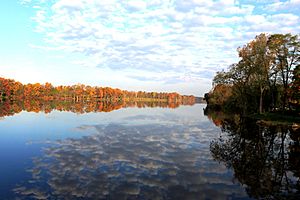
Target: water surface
[(130, 153)]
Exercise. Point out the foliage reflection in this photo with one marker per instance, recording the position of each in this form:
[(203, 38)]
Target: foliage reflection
[(8, 108), (266, 159)]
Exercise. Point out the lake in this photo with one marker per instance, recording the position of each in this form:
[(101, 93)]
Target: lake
[(144, 152)]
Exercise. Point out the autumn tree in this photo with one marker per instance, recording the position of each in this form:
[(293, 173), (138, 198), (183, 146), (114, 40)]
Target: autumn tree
[(295, 88), (12, 90), (262, 74), (286, 49), (256, 61)]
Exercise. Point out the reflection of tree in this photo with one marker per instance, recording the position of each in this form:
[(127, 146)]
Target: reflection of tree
[(218, 117), (265, 159), (128, 162), (8, 108)]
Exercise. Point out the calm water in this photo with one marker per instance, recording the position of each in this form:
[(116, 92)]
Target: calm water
[(138, 153)]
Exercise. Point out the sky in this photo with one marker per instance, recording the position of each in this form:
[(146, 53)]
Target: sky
[(153, 45)]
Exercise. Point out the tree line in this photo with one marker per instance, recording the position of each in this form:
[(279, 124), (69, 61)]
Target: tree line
[(266, 78), (14, 91)]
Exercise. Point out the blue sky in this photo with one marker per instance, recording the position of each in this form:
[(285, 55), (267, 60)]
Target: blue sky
[(154, 45)]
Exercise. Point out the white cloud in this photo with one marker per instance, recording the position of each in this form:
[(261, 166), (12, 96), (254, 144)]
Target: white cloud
[(289, 5), (255, 19), (68, 4), (135, 5), (176, 37), (287, 19), (24, 2)]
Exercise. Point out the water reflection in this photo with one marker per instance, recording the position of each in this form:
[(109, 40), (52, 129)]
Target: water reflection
[(169, 160), (265, 159), (8, 108)]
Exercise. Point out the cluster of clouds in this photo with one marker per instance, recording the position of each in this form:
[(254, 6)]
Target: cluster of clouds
[(164, 41)]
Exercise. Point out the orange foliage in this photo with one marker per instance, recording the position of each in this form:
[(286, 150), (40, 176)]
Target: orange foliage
[(10, 89), (15, 97)]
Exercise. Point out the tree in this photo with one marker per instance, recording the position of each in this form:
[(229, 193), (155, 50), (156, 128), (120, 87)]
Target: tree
[(262, 74), (220, 95), (257, 61), (295, 88), (286, 49)]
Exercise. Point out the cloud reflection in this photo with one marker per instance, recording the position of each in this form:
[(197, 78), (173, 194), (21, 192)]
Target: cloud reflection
[(151, 161)]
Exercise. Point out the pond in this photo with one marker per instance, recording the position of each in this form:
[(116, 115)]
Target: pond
[(144, 152)]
